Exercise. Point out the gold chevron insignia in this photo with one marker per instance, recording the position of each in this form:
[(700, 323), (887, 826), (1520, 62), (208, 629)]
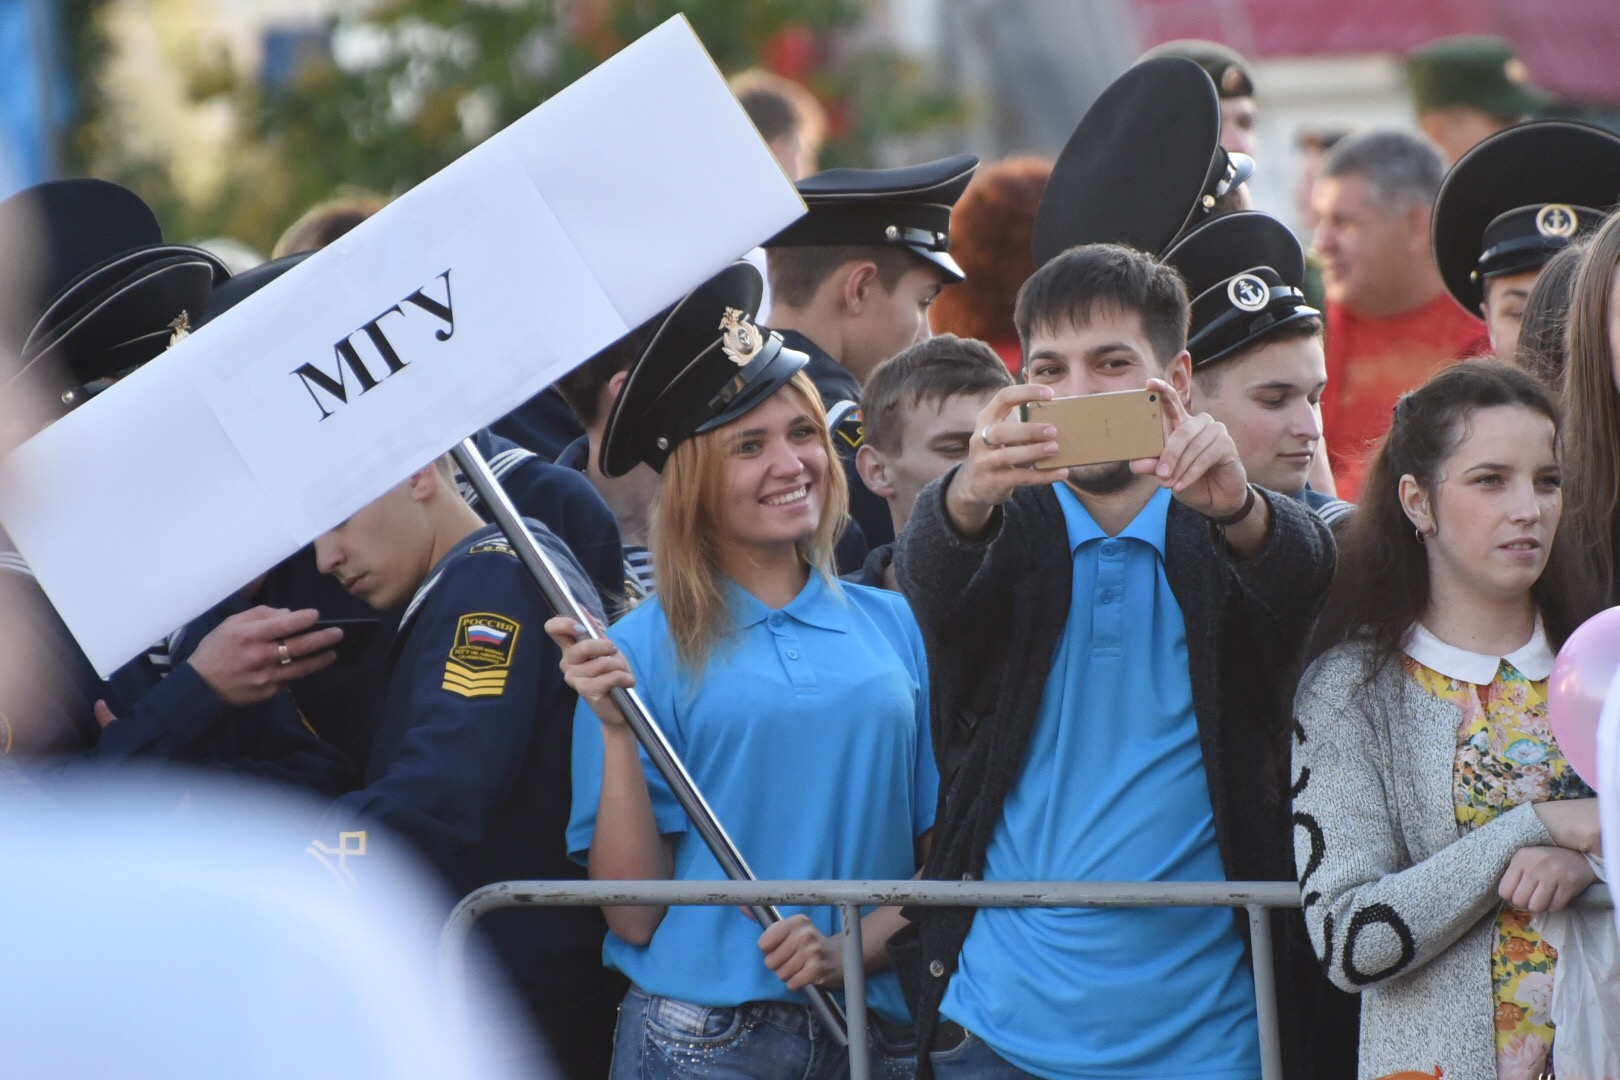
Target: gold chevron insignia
[(463, 680)]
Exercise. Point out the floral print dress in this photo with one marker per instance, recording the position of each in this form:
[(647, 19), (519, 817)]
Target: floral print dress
[(1506, 756)]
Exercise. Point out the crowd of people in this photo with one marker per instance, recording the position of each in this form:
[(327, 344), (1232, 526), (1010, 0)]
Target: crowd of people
[(816, 520)]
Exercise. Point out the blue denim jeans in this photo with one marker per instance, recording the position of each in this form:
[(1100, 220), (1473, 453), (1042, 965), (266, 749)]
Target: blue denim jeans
[(972, 1059), (664, 1039)]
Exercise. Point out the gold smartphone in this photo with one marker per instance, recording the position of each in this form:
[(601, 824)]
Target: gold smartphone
[(1121, 426)]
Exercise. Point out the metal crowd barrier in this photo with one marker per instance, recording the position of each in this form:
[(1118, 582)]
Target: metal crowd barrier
[(1256, 897)]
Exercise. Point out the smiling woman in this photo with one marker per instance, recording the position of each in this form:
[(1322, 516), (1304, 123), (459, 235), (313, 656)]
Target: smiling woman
[(1428, 785), (798, 705), (753, 501)]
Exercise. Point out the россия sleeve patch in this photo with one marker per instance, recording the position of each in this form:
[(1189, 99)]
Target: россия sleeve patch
[(480, 655)]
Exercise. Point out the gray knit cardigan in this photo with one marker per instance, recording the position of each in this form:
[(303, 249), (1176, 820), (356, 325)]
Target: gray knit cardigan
[(1399, 907)]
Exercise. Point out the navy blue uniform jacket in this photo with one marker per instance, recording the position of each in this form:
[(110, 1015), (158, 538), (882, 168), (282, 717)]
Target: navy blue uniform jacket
[(470, 760), (166, 713), (341, 700)]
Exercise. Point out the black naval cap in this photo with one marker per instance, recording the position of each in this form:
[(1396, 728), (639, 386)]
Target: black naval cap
[(708, 363), (1244, 272), (876, 207), (243, 285), (1518, 198), (118, 295), (1144, 164), (53, 232)]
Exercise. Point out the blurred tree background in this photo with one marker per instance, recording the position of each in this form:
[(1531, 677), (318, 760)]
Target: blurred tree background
[(391, 92)]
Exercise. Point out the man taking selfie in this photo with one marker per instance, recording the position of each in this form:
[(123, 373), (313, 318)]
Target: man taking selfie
[(1093, 636)]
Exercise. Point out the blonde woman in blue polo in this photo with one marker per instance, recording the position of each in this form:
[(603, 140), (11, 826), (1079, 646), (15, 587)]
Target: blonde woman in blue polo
[(798, 703)]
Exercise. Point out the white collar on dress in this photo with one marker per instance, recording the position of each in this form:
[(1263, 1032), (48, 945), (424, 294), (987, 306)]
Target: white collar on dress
[(1533, 659)]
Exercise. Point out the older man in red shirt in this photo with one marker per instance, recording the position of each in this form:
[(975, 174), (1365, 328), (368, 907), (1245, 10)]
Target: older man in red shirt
[(1390, 322)]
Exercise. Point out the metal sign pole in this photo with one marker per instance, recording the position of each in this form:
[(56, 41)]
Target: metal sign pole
[(642, 725)]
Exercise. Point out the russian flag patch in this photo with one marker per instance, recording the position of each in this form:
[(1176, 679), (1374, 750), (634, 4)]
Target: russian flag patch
[(481, 655)]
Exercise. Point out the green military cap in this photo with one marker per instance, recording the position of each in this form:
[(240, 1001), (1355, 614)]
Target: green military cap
[(1226, 68), (1476, 72)]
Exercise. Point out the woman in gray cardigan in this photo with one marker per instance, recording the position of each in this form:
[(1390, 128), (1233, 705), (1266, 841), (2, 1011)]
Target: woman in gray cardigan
[(1427, 812)]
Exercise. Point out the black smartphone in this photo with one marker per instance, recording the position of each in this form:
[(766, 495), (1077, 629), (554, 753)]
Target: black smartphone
[(357, 634)]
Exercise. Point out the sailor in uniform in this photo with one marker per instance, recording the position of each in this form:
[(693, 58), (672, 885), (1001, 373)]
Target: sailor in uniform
[(1256, 346), (851, 282), (1513, 202), (96, 293), (342, 701), (468, 759)]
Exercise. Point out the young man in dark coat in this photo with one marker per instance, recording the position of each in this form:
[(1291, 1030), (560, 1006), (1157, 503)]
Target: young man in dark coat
[(468, 757), (1112, 649)]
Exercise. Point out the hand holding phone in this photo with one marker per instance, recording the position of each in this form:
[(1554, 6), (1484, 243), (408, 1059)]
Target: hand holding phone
[(357, 634), (1199, 463), (999, 459), (1127, 425)]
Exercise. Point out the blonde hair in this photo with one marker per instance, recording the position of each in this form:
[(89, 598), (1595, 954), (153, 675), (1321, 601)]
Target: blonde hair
[(1592, 410), (686, 536)]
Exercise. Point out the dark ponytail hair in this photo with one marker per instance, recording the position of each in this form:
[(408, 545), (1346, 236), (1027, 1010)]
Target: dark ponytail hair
[(1382, 584)]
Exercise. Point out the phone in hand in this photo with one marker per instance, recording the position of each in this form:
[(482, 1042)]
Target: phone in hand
[(357, 634), (1120, 426)]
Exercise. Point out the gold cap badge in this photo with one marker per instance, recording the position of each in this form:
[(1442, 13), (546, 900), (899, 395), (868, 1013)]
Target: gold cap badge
[(740, 338), (1557, 219), (1515, 71)]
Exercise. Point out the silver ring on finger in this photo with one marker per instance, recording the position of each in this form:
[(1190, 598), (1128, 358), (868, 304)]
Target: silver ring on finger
[(984, 437), (283, 654)]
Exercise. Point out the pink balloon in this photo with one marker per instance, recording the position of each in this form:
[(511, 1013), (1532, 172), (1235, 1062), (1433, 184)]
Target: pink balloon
[(1580, 680)]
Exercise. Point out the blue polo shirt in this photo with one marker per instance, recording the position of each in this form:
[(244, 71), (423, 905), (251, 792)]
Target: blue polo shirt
[(1112, 788), (808, 734)]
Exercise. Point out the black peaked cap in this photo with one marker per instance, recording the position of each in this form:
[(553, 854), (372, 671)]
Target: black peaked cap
[(243, 285), (55, 231), (909, 206), (708, 363), (133, 296), (1243, 272), (133, 320), (1532, 187), (1143, 165), (117, 293)]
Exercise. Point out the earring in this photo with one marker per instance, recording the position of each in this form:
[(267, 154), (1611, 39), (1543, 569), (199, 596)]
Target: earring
[(1422, 537)]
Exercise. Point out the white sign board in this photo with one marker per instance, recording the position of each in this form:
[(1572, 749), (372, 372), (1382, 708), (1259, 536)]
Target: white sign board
[(456, 303)]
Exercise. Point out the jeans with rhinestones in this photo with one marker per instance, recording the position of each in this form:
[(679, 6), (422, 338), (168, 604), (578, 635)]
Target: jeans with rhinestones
[(661, 1038)]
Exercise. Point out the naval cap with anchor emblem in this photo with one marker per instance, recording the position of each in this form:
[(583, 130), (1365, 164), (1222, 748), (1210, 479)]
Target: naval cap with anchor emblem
[(1144, 164), (94, 289), (708, 363), (1518, 198), (909, 206), (1244, 272)]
